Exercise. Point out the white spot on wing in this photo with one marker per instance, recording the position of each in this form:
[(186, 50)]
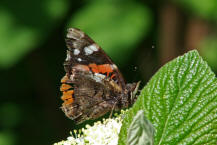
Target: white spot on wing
[(90, 49), (98, 77), (68, 56), (72, 76), (114, 67), (76, 51), (94, 47), (79, 59)]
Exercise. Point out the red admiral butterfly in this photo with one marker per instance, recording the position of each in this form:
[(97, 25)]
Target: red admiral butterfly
[(93, 85)]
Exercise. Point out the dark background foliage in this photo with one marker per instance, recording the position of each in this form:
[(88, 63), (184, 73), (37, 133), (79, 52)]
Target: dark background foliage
[(140, 36)]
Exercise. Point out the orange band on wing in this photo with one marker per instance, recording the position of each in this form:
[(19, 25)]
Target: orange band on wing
[(67, 97), (65, 87), (105, 68), (112, 76), (94, 68), (64, 79)]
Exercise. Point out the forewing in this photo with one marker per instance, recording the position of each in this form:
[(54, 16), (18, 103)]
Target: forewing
[(83, 50)]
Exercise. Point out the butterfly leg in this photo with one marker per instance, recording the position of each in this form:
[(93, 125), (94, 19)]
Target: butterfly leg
[(112, 109)]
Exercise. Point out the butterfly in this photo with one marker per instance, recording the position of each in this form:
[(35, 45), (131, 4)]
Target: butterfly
[(93, 84)]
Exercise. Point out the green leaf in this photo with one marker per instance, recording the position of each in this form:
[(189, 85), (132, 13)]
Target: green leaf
[(181, 102), (116, 26), (141, 131)]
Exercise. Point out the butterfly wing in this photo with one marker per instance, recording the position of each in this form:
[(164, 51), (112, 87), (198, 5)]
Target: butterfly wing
[(93, 85), (90, 98), (83, 50)]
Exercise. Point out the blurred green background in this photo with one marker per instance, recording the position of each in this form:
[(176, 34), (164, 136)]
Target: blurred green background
[(140, 36)]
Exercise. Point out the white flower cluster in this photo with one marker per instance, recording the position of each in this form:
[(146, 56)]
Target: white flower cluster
[(101, 133)]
